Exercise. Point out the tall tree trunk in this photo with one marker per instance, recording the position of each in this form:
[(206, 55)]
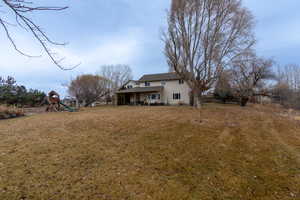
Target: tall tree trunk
[(197, 95), (77, 103), (244, 101)]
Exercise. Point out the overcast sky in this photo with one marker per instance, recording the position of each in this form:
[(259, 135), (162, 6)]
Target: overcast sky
[(103, 32)]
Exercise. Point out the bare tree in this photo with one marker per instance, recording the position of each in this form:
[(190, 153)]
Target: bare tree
[(89, 88), (287, 88), (223, 90), (247, 75), (203, 36), (21, 10), (290, 74), (117, 74), (282, 93)]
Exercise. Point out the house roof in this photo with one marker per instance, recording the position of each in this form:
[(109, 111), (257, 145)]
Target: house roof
[(128, 82), (159, 77), (141, 90)]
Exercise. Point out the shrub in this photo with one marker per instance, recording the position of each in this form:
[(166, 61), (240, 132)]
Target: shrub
[(10, 112), (13, 94)]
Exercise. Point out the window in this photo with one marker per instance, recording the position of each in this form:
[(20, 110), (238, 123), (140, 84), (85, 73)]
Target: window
[(176, 96), (181, 81), (129, 86), (147, 84), (163, 83), (155, 97)]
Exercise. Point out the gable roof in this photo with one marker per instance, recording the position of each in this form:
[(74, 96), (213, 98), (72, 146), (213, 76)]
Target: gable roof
[(159, 77), (128, 82)]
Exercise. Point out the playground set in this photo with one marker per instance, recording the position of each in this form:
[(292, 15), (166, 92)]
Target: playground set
[(55, 104)]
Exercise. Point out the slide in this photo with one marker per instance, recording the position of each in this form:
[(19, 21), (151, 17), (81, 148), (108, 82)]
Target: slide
[(68, 108)]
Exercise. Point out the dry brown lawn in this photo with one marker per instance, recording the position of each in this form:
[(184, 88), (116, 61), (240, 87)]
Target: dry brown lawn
[(137, 153)]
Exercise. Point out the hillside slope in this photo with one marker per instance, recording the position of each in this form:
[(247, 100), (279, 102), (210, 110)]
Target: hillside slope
[(222, 152)]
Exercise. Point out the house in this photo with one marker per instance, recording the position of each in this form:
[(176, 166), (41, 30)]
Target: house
[(155, 89)]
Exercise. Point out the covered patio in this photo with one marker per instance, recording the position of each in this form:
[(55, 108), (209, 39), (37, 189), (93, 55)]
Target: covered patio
[(140, 96)]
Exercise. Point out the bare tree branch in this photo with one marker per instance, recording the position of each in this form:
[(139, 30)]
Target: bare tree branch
[(20, 9)]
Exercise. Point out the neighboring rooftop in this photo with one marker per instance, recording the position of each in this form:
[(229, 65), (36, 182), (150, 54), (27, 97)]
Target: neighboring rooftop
[(159, 77)]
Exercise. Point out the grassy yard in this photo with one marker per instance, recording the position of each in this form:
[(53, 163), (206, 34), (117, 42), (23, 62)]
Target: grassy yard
[(112, 153)]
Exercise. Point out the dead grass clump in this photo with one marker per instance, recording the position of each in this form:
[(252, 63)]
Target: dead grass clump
[(7, 112)]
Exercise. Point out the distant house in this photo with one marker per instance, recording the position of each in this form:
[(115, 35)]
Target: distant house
[(161, 89)]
